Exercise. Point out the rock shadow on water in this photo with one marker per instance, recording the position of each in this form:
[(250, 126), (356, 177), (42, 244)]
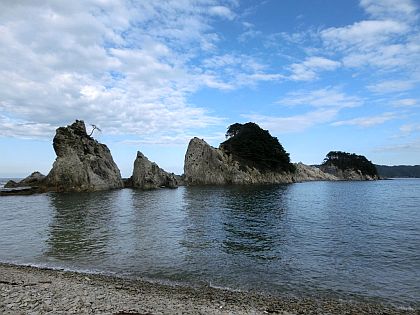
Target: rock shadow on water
[(233, 234), (236, 220), (254, 223)]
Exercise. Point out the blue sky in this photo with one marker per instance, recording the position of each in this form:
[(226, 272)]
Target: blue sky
[(319, 75)]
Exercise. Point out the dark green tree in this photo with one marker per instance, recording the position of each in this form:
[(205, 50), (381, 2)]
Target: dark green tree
[(253, 146), (344, 161), (233, 130)]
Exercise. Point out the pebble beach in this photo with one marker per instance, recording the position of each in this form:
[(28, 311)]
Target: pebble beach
[(30, 290)]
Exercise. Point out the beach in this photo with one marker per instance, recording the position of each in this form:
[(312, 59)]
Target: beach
[(30, 290)]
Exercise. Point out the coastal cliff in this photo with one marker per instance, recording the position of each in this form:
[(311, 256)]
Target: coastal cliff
[(82, 163), (148, 175), (206, 165), (349, 166)]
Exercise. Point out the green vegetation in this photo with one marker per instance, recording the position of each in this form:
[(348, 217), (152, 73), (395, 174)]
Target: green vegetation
[(255, 147), (345, 161)]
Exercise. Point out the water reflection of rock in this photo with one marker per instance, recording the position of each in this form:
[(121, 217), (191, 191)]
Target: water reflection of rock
[(244, 220), (79, 227), (254, 224)]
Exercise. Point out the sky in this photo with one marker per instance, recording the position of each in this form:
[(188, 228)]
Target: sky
[(320, 75)]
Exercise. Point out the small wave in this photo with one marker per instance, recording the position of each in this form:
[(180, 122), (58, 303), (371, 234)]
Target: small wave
[(46, 266), (404, 308), (224, 288)]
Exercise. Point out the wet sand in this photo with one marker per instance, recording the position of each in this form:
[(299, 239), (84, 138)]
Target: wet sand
[(29, 290)]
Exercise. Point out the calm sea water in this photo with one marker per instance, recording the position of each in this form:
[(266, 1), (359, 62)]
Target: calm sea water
[(352, 240)]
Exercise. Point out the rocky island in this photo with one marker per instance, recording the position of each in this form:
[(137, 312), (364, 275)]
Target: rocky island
[(349, 166), (250, 155), (148, 175), (82, 164)]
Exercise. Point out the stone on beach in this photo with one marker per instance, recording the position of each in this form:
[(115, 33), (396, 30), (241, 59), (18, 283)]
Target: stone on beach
[(26, 290)]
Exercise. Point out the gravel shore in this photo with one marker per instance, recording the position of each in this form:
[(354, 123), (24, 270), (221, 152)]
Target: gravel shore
[(29, 290)]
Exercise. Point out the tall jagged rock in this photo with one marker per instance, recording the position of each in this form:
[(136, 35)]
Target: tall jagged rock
[(82, 163), (148, 175), (205, 165)]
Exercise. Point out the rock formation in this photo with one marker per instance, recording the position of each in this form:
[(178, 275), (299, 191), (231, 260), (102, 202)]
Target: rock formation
[(347, 174), (349, 166), (148, 175), (306, 173), (36, 179), (205, 165), (82, 163)]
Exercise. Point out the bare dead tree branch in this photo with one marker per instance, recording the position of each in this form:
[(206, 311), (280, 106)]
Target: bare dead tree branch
[(94, 128)]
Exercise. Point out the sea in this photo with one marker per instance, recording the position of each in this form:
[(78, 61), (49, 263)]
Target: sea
[(343, 240)]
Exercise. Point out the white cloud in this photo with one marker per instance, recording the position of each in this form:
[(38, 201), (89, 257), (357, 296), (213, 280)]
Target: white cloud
[(231, 71), (179, 139), (391, 86), (222, 11), (249, 33), (408, 129), (367, 121), (327, 103), (406, 102), (24, 130), (363, 35), (122, 65), (308, 69), (296, 123), (322, 98), (401, 9), (388, 42), (412, 146)]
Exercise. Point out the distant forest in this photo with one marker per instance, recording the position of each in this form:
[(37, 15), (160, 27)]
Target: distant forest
[(405, 171)]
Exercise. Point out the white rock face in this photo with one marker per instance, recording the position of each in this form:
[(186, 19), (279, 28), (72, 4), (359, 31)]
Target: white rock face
[(82, 163), (348, 174), (306, 173), (148, 175), (205, 165)]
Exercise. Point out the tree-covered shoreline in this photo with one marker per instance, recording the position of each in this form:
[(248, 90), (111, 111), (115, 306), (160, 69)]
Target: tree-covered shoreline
[(350, 161)]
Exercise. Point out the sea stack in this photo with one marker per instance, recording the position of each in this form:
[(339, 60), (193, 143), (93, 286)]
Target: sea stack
[(148, 175), (250, 156), (205, 165), (349, 166), (82, 163)]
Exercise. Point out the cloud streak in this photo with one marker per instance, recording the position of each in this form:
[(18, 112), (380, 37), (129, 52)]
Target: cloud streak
[(324, 106), (367, 121)]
